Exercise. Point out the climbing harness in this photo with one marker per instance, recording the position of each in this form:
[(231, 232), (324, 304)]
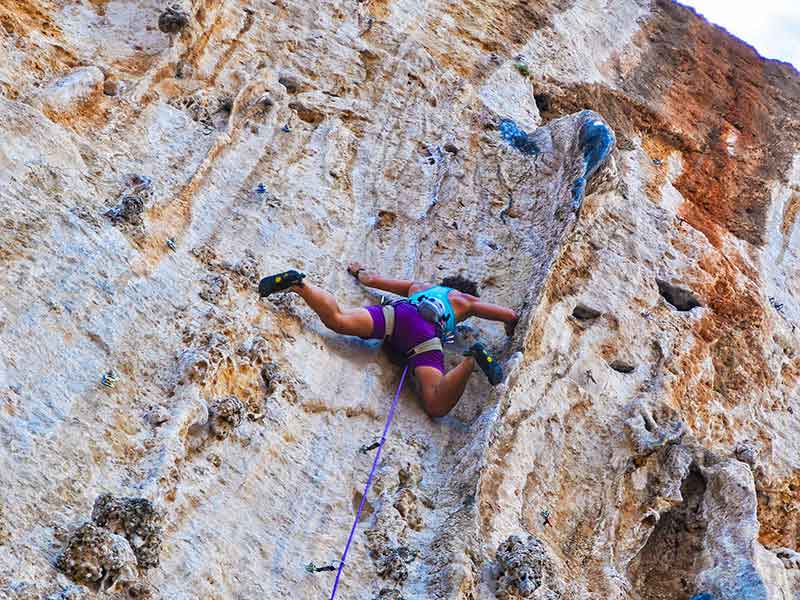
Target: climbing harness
[(433, 306), (388, 319), (434, 343), (369, 481)]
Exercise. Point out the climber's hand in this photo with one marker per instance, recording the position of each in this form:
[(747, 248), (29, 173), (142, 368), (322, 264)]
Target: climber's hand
[(354, 267), (511, 326)]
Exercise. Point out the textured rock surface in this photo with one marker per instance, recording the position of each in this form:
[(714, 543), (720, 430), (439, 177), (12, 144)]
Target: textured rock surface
[(137, 520), (648, 434), (98, 559)]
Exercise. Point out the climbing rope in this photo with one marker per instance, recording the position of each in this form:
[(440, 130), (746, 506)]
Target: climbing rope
[(369, 481)]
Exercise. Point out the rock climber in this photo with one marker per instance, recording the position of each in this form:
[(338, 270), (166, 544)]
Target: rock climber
[(412, 326)]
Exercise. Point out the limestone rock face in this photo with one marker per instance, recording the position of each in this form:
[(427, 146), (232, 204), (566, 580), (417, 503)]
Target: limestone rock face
[(623, 174), (69, 93)]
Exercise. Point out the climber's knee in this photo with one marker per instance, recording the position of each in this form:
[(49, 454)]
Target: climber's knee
[(434, 405), (429, 379)]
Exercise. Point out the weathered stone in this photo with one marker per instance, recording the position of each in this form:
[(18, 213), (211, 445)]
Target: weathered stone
[(392, 564), (97, 558), (173, 20), (790, 558), (225, 415), (522, 567), (136, 519), (68, 94), (129, 210), (112, 87), (265, 136), (585, 313)]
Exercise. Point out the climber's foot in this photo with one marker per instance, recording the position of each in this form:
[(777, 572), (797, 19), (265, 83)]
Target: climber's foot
[(280, 282), (486, 362)]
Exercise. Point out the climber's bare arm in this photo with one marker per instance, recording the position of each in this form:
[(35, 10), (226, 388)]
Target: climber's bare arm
[(401, 287), (494, 312)]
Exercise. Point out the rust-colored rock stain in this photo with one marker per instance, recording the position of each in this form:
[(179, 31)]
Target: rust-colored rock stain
[(779, 512)]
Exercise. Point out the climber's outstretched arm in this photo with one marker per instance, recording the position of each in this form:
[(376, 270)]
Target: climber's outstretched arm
[(494, 312), (400, 287)]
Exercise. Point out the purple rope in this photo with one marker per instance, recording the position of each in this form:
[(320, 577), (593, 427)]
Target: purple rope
[(369, 481)]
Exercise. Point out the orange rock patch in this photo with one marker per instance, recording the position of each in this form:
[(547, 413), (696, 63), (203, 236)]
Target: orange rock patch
[(20, 17), (723, 100), (790, 213), (779, 513), (99, 6)]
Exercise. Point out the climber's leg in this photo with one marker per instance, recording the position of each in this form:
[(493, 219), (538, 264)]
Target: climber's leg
[(354, 321), (440, 392)]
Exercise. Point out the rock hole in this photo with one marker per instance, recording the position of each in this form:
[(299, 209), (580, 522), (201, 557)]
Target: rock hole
[(585, 313), (291, 84), (386, 219), (367, 510), (622, 367), (681, 298), (307, 114), (542, 102), (667, 566)]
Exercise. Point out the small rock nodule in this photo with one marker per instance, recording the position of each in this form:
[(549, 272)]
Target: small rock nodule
[(522, 567), (226, 414), (98, 559), (392, 563), (173, 20), (129, 210), (137, 520)]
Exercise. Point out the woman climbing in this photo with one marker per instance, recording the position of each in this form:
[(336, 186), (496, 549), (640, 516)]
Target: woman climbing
[(413, 327)]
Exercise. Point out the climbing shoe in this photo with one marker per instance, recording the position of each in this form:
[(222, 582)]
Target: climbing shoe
[(486, 362), (280, 282)]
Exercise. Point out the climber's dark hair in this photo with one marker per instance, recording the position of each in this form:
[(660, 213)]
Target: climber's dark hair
[(462, 284)]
